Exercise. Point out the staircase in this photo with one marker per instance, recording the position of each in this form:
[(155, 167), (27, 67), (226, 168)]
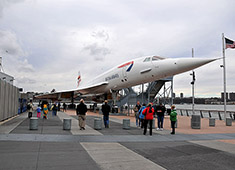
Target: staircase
[(128, 97), (154, 88), (148, 96)]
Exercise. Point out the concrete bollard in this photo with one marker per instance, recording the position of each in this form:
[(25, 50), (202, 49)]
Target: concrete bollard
[(33, 123), (211, 121), (196, 122), (126, 124), (67, 124), (97, 123), (228, 122)]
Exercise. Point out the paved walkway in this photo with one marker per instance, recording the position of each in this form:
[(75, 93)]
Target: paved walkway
[(51, 147)]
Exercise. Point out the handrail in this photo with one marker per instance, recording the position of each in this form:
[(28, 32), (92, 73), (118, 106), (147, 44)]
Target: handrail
[(204, 113)]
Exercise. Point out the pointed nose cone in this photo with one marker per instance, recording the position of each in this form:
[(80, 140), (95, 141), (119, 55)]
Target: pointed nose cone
[(186, 64)]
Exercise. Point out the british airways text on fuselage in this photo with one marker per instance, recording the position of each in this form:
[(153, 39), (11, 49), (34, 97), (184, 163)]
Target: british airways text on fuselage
[(115, 76)]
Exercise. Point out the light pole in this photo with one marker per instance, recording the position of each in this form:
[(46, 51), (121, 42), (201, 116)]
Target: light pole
[(193, 81)]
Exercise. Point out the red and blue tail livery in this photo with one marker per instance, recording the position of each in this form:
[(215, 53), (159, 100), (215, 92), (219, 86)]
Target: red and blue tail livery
[(131, 63)]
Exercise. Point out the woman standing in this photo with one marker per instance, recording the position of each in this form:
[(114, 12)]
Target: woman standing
[(148, 112), (136, 110), (173, 118)]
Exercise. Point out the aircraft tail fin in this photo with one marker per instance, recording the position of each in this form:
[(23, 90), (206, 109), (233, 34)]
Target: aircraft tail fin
[(79, 79)]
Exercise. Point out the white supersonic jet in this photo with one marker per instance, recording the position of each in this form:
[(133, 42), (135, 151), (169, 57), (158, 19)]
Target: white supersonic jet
[(132, 73)]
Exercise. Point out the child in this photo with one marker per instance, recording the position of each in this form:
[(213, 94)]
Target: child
[(173, 118), (38, 111), (45, 111)]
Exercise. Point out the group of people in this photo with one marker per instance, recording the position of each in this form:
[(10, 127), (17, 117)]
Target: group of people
[(44, 108), (144, 116)]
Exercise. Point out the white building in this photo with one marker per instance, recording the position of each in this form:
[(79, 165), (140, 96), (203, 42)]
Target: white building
[(6, 77)]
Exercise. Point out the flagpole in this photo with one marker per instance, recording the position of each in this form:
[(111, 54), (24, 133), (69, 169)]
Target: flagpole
[(193, 80), (225, 93)]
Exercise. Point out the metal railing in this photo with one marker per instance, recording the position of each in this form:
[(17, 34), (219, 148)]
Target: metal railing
[(217, 114)]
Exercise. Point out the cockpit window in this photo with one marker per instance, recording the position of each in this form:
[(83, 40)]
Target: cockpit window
[(155, 58), (147, 59)]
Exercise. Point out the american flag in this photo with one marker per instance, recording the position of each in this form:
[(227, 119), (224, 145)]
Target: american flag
[(229, 43)]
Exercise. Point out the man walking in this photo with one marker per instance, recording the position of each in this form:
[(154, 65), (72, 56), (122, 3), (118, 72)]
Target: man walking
[(54, 109), (106, 109), (81, 112), (64, 107), (30, 109)]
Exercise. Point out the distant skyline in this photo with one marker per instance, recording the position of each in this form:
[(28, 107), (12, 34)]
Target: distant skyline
[(44, 43), (228, 93)]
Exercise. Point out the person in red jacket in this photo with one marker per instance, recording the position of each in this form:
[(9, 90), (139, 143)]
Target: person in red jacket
[(148, 118)]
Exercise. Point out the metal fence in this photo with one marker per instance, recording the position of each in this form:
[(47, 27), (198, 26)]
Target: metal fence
[(9, 100), (217, 114)]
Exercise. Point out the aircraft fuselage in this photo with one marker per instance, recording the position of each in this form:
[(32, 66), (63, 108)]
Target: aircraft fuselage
[(144, 70)]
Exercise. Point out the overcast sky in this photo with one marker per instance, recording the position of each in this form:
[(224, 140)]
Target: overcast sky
[(49, 41)]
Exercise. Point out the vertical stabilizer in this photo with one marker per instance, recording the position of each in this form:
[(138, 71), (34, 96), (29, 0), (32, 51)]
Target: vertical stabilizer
[(79, 79)]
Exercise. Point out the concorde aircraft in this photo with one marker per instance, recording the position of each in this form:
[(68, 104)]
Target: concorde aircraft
[(132, 73)]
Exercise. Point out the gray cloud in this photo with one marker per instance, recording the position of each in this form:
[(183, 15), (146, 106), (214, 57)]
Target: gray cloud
[(25, 81), (15, 60), (9, 44), (101, 34), (52, 41), (95, 49), (7, 3)]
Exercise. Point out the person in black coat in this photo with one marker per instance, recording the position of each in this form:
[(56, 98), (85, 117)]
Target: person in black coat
[(81, 112), (64, 107), (54, 109), (160, 110), (59, 106), (106, 109)]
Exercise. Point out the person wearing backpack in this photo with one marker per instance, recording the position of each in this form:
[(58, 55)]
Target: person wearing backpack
[(148, 112), (38, 111), (141, 116), (30, 109), (54, 109)]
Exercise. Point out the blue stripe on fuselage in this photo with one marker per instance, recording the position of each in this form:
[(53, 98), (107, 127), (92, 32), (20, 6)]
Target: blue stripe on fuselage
[(129, 68)]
